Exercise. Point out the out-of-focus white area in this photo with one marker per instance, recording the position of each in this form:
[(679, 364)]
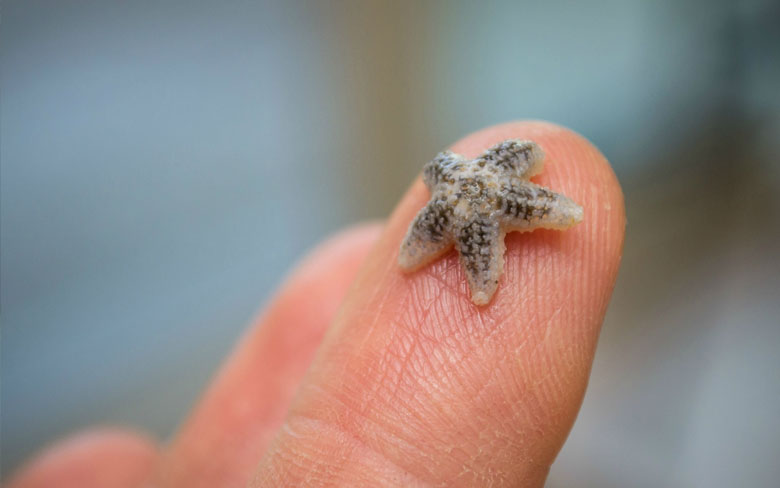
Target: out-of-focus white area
[(164, 163)]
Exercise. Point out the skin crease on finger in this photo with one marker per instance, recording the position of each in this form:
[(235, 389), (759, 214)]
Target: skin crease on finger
[(414, 385)]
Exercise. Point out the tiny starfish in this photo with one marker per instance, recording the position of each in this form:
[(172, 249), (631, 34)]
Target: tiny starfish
[(474, 203)]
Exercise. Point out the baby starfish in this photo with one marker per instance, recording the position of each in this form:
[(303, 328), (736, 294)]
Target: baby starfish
[(474, 203)]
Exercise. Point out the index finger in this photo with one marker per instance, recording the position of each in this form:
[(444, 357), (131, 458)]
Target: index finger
[(415, 385)]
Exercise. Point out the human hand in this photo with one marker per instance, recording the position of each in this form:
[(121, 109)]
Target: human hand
[(357, 374)]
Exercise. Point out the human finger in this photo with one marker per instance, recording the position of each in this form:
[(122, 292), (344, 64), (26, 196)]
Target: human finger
[(97, 458), (415, 385), (228, 431)]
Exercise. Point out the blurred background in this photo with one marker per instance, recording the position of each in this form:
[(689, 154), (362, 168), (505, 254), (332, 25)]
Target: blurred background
[(165, 163)]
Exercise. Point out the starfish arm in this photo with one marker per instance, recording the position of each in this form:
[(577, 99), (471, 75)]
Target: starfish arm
[(428, 237), (523, 158), (480, 243), (527, 206), (437, 169)]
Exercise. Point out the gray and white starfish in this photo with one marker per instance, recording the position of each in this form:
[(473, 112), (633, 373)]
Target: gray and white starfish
[(474, 203)]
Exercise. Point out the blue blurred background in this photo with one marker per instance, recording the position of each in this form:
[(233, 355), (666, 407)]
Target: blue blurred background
[(164, 164)]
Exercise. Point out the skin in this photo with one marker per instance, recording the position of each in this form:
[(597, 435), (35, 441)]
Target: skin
[(360, 374)]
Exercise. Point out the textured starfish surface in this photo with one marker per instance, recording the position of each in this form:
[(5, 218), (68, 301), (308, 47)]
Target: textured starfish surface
[(474, 203)]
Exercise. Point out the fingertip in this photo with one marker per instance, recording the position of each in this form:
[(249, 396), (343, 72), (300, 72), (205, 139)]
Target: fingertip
[(344, 242)]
